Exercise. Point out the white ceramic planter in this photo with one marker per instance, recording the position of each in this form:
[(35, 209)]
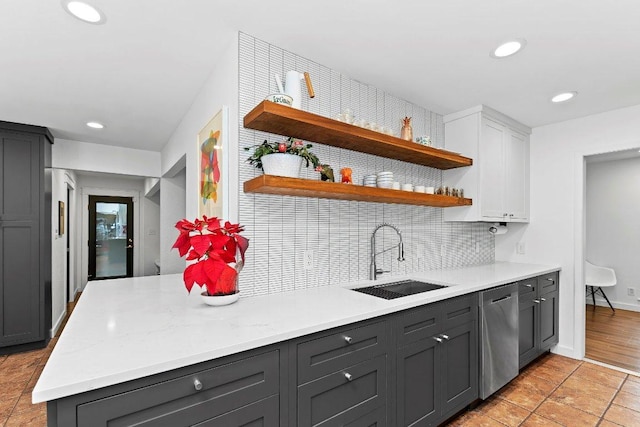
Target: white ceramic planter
[(282, 164), (218, 300)]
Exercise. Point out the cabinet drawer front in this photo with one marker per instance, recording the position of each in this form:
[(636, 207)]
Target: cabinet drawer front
[(265, 413), (177, 402), (527, 289), (327, 354), (418, 324), (459, 311), (548, 283), (344, 396)]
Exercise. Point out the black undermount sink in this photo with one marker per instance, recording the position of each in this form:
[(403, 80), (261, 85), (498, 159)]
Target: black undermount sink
[(398, 289)]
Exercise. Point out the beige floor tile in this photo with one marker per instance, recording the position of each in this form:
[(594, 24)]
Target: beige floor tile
[(549, 373), (6, 406), (608, 377), (605, 423), (538, 421), (34, 379), (522, 396), (34, 418), (474, 419), (561, 363), (580, 399), (623, 416), (596, 389), (24, 405), (566, 415), (633, 378), (505, 412), (539, 384), (13, 389), (628, 400), (631, 386)]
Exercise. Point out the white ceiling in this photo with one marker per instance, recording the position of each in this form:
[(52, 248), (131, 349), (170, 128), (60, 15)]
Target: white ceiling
[(139, 72)]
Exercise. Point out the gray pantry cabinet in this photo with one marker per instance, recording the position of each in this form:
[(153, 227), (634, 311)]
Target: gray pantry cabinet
[(25, 237), (538, 299), (416, 367)]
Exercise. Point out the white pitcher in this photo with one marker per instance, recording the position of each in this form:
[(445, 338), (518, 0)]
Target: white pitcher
[(292, 87)]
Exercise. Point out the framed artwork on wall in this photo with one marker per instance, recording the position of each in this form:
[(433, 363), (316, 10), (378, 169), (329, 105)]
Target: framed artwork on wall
[(213, 166), (60, 218)]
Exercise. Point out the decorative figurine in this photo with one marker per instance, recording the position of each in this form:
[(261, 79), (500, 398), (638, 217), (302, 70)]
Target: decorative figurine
[(406, 132), (346, 175), (326, 173)]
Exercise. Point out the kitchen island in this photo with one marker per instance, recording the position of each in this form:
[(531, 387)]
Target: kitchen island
[(130, 329)]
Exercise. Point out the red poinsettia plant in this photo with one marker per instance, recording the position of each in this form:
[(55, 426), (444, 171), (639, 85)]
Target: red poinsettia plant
[(218, 251)]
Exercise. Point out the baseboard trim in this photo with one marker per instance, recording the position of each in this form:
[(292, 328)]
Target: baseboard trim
[(600, 302), (57, 324), (563, 350)]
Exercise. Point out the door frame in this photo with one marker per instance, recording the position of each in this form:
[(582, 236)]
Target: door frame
[(138, 250), (72, 230), (129, 242)]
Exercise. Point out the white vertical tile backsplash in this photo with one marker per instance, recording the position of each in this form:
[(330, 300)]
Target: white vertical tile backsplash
[(338, 232)]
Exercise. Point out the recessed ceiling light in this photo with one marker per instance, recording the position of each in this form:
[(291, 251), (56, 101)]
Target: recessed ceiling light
[(563, 97), (95, 125), (84, 11), (508, 48)]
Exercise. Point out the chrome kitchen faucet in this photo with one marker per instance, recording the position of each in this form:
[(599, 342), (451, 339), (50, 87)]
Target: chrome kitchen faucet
[(373, 270)]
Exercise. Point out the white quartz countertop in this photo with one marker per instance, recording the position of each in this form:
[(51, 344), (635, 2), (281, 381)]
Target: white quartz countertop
[(127, 329)]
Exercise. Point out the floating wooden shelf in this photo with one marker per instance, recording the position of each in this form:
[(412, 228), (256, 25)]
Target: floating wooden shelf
[(270, 184), (283, 120)]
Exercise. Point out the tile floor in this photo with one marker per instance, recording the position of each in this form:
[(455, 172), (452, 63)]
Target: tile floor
[(558, 391)]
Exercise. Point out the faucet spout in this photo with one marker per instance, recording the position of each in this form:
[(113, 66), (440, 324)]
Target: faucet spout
[(373, 269)]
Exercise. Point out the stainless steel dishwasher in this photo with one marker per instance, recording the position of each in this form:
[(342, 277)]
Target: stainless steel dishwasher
[(499, 338)]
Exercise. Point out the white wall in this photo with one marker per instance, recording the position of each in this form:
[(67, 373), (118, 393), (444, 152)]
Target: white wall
[(613, 233), (84, 156), (61, 179), (173, 198), (220, 89), (555, 234)]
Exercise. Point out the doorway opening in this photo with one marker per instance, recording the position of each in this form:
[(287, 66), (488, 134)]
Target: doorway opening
[(110, 237)]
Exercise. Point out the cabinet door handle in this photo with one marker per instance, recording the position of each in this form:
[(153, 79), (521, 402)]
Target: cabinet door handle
[(528, 285), (348, 376), (549, 279), (543, 299), (437, 339), (537, 301), (348, 339), (197, 384), (446, 337)]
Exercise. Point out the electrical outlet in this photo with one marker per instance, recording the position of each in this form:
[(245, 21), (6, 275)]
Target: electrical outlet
[(420, 251), (631, 292), (307, 259), (521, 248)]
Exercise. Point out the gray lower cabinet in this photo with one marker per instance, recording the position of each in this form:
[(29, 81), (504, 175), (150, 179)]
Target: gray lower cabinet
[(25, 237), (413, 368), (538, 313), (341, 377), (436, 361), (234, 391)]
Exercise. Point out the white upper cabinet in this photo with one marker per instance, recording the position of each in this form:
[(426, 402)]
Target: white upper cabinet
[(498, 181)]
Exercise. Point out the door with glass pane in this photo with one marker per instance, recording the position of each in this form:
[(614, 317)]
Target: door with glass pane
[(110, 237)]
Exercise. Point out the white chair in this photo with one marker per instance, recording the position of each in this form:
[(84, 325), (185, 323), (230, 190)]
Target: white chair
[(596, 278)]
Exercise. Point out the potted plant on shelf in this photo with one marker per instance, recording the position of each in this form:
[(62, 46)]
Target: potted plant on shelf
[(218, 251), (283, 158)]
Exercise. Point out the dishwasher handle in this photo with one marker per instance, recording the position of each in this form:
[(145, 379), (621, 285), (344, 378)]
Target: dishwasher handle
[(506, 297)]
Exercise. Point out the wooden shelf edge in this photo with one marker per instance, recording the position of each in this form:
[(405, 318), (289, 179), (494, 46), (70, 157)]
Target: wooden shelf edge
[(283, 120), (278, 185)]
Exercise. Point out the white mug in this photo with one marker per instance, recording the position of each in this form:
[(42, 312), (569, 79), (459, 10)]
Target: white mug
[(419, 189), (407, 187), (429, 190)]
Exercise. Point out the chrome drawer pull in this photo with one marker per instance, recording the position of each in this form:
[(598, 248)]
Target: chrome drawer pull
[(348, 339), (197, 384), (437, 339), (537, 301), (543, 299), (348, 376), (528, 285), (549, 279), (446, 337)]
